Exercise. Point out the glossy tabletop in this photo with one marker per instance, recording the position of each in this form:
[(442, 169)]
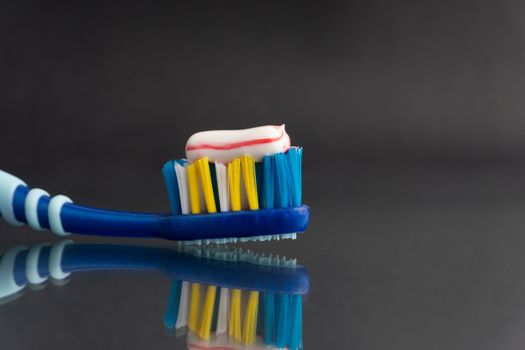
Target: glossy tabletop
[(416, 256)]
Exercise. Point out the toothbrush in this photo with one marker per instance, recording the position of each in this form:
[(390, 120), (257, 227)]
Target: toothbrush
[(234, 185), (207, 292)]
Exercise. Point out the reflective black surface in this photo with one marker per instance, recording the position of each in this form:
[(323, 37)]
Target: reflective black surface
[(423, 251), (399, 257)]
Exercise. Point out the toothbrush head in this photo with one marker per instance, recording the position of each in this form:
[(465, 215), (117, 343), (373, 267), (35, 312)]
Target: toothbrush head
[(232, 171)]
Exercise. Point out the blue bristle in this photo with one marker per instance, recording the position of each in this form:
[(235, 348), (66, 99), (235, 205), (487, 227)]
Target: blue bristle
[(172, 311), (259, 176), (294, 156), (300, 324), (282, 181), (269, 179), (295, 334), (269, 318), (281, 338), (170, 179), (300, 345), (289, 325), (277, 312)]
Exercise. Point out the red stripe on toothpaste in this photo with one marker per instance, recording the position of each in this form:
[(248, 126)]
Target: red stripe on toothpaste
[(234, 145), (226, 145)]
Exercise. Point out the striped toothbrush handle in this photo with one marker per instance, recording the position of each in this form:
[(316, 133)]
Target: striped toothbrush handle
[(20, 205)]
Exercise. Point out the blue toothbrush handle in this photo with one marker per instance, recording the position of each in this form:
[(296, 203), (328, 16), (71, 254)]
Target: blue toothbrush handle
[(20, 205)]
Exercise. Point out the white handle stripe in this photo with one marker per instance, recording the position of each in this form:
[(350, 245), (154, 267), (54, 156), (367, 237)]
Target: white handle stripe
[(55, 207), (31, 207), (32, 274), (55, 260), (8, 186), (8, 284)]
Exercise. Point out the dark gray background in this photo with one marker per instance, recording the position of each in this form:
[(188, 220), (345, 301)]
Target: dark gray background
[(357, 79), (410, 113)]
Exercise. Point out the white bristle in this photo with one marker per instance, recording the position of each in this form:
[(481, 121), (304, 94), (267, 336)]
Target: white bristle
[(221, 172), (224, 241), (182, 182), (231, 254), (224, 308), (264, 261), (182, 318)]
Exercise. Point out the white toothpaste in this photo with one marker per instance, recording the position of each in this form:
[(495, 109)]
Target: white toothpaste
[(226, 145)]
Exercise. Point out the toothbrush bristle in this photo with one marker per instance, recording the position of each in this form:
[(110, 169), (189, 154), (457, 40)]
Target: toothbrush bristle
[(228, 253), (207, 312), (282, 320), (224, 307), (195, 300), (269, 319), (250, 183), (243, 316), (234, 327), (170, 178), (206, 186), (241, 184), (250, 318), (221, 176), (182, 316), (172, 311)]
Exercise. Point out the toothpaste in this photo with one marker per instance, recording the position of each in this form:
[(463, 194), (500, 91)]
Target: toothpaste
[(225, 145)]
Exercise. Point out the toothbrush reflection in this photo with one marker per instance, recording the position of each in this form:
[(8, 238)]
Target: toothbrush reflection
[(221, 298)]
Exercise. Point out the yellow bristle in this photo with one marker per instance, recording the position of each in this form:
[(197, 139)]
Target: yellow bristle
[(203, 168), (193, 189), (195, 300), (234, 178), (250, 318), (235, 315), (250, 182), (207, 312)]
